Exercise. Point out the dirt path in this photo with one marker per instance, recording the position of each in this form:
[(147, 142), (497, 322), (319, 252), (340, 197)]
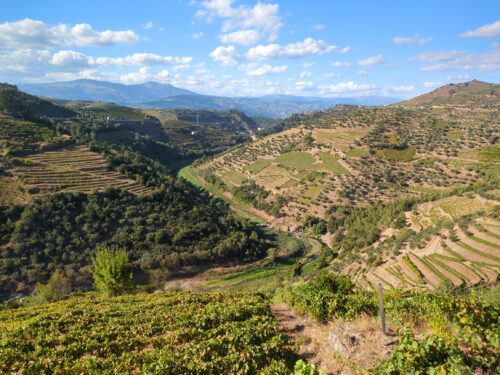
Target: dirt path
[(336, 348)]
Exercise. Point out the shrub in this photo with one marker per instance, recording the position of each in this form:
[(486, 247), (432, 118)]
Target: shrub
[(431, 355), (56, 289), (304, 368), (111, 271)]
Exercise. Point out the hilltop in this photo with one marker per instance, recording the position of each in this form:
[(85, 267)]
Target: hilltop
[(472, 93)]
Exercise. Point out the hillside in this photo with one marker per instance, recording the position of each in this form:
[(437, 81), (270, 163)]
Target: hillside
[(71, 185), (474, 93), (366, 182), (87, 89), (19, 104)]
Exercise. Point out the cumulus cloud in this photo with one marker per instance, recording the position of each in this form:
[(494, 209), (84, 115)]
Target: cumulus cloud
[(341, 64), (307, 47), (151, 25), (430, 84), (438, 56), (347, 87), (362, 73), (198, 35), (265, 70), (140, 59), (318, 26), (454, 60), (29, 33), (225, 55), (305, 86), (244, 37), (305, 74), (374, 60), (415, 39), (262, 18), (401, 89), (487, 31)]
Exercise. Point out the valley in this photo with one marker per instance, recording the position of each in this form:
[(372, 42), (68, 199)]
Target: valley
[(294, 225)]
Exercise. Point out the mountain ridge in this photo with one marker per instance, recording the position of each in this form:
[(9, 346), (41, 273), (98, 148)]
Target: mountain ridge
[(166, 96)]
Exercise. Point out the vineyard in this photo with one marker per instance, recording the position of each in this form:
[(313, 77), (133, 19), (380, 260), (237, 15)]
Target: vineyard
[(455, 258), (71, 169), (144, 333), (451, 208)]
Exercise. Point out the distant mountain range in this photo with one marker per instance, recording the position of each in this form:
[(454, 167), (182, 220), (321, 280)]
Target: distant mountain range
[(88, 89), (166, 96)]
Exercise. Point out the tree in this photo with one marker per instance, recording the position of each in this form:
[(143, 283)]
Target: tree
[(111, 271)]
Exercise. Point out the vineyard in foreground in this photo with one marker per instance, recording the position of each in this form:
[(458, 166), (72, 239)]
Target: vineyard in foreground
[(147, 333)]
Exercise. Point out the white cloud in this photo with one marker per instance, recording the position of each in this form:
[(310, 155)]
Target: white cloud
[(226, 55), (149, 25), (347, 87), (244, 37), (374, 60), (318, 26), (305, 86), (307, 65), (487, 31), (341, 64), (29, 33), (140, 59), (265, 70), (486, 62), (345, 49), (305, 74), (432, 84), (438, 56), (198, 35), (177, 68), (262, 17), (333, 75), (401, 89), (70, 59), (415, 39), (362, 73), (307, 47)]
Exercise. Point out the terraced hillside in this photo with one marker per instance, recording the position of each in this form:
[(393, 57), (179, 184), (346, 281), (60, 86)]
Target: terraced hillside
[(71, 169), (355, 158), (455, 258)]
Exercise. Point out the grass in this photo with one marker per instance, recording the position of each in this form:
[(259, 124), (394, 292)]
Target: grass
[(244, 210), (357, 152), (404, 155), (11, 191), (234, 177), (330, 162), (455, 134), (296, 159), (258, 165)]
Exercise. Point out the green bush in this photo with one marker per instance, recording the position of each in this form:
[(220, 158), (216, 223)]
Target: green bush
[(431, 355), (304, 368), (58, 287), (327, 296), (111, 271)]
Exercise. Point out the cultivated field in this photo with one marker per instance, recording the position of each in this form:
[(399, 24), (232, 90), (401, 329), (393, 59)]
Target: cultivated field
[(71, 169)]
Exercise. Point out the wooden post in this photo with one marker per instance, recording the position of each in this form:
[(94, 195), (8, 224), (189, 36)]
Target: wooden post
[(381, 309)]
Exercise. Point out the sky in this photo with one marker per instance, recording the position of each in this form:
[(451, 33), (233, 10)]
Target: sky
[(326, 48)]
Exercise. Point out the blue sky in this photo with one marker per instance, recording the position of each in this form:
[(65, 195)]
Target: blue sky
[(224, 47)]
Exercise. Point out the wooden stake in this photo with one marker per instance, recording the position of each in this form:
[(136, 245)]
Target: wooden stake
[(381, 309)]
